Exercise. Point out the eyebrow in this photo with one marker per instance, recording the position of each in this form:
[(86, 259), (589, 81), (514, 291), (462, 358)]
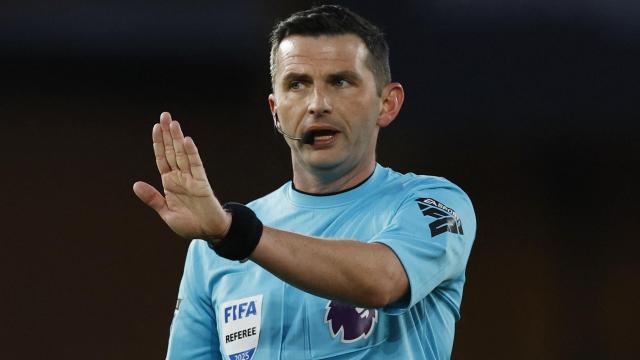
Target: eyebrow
[(346, 74), (297, 77)]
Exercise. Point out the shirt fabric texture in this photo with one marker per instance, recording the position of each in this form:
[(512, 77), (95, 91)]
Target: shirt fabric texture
[(427, 221)]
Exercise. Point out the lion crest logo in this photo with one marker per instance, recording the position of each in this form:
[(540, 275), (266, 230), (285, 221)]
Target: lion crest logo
[(356, 323)]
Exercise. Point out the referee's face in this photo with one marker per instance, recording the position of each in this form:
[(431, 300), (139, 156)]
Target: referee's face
[(323, 88)]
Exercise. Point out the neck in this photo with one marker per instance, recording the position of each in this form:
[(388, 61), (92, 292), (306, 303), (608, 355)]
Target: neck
[(330, 180)]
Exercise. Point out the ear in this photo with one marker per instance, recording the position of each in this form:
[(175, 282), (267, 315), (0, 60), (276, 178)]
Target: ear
[(273, 107), (392, 99)]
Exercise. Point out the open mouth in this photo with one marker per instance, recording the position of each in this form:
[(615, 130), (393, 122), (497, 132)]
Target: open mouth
[(322, 135)]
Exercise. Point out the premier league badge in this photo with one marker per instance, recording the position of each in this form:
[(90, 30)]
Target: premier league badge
[(241, 321), (356, 323)]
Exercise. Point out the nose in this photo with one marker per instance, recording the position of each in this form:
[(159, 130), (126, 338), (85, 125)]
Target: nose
[(319, 103)]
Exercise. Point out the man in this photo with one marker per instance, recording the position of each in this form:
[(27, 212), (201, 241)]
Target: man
[(349, 260)]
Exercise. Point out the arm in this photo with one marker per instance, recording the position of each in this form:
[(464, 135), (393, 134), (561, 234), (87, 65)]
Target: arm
[(363, 274)]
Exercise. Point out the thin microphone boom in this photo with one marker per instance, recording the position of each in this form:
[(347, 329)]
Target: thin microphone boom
[(308, 138)]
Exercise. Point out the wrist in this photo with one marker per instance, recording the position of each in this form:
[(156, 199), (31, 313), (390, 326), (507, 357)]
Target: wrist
[(242, 234), (214, 236)]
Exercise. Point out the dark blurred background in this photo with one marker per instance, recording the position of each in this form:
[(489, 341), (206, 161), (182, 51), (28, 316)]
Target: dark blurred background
[(531, 106)]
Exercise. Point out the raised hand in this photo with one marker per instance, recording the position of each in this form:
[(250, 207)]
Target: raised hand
[(188, 206)]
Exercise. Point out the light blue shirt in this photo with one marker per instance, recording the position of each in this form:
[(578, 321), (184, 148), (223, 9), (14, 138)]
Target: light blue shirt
[(427, 221)]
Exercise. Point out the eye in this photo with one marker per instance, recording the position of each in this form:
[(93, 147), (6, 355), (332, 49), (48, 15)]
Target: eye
[(295, 85), (342, 83)]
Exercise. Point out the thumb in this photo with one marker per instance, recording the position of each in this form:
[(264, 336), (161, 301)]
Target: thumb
[(150, 196)]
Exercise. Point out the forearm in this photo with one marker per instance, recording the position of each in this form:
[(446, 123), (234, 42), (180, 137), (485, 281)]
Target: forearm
[(364, 274)]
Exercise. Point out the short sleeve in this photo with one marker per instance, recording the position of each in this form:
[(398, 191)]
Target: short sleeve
[(193, 333), (431, 233)]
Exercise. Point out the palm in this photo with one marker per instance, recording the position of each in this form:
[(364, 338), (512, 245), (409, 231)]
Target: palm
[(189, 206), (185, 197)]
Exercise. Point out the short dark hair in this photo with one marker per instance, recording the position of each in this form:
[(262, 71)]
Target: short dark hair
[(336, 20)]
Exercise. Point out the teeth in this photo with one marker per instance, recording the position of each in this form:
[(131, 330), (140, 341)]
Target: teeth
[(324, 137)]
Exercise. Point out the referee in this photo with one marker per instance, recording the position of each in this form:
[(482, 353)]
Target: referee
[(349, 259)]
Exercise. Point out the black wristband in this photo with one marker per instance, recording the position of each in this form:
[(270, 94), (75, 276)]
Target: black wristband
[(243, 235)]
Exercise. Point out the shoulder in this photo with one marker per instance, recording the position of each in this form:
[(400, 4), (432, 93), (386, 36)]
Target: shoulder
[(430, 194), (411, 184)]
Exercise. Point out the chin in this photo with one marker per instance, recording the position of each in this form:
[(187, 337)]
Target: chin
[(325, 160), (324, 164)]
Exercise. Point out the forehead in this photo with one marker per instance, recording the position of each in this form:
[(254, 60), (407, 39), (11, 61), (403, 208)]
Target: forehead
[(321, 53)]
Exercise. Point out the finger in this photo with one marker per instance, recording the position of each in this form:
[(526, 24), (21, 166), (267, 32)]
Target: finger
[(158, 150), (169, 151), (178, 145), (197, 169), (150, 196)]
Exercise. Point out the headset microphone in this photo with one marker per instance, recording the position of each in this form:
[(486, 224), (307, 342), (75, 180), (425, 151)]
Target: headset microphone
[(308, 138)]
